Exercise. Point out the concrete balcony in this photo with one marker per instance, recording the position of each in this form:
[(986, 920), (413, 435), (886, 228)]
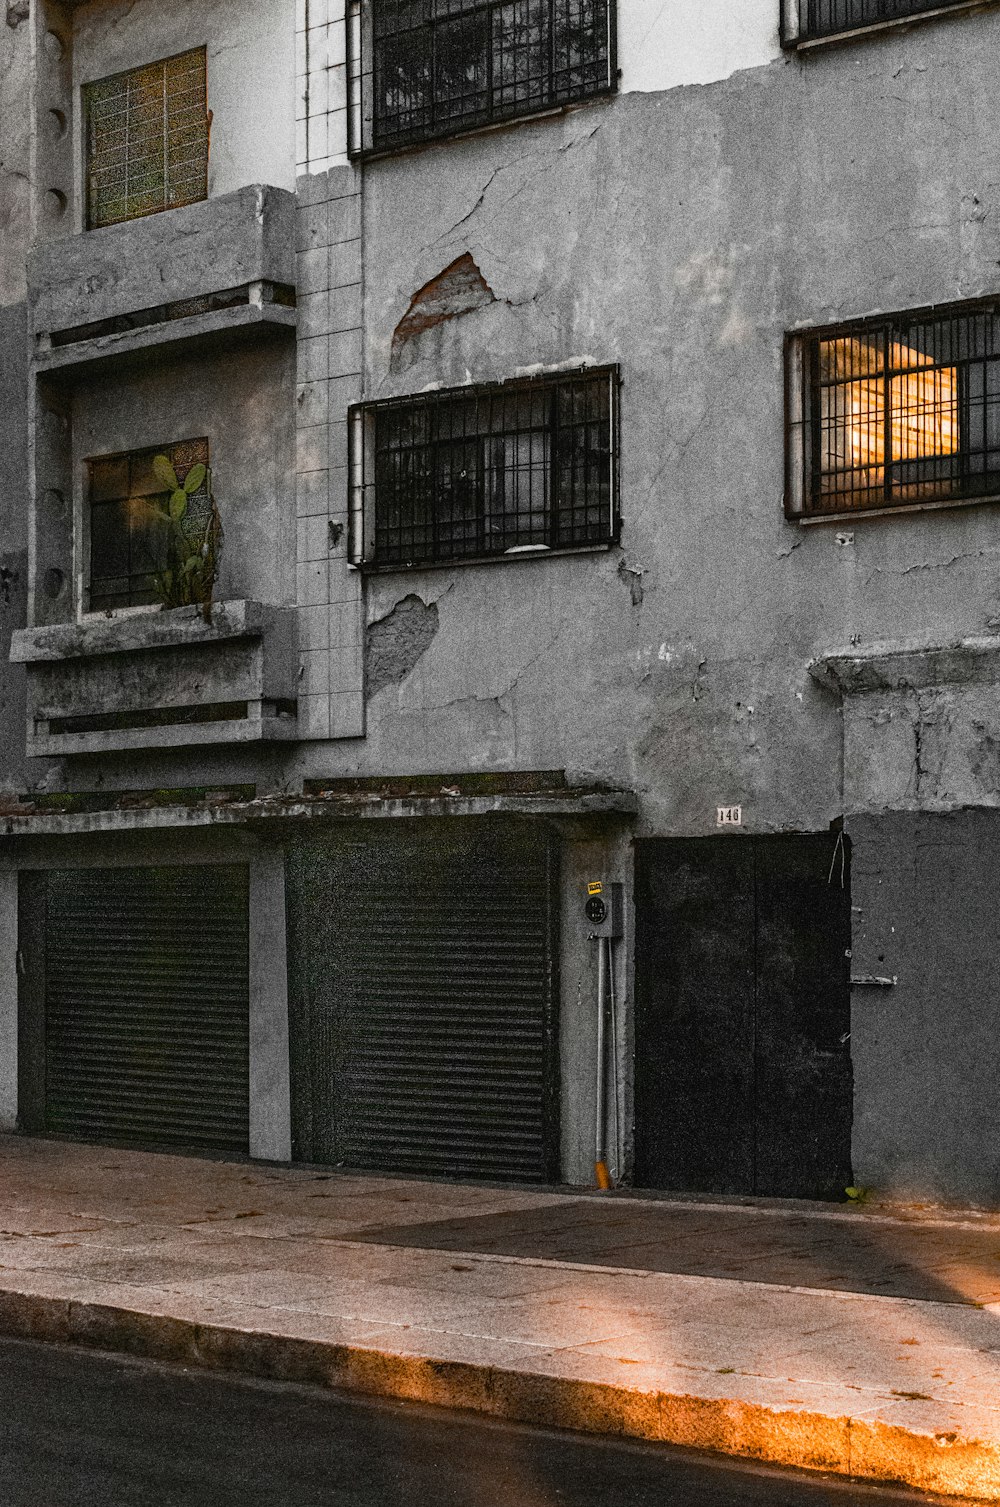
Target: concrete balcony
[(161, 680), (221, 268)]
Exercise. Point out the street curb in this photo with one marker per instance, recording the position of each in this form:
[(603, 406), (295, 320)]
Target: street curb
[(862, 1450)]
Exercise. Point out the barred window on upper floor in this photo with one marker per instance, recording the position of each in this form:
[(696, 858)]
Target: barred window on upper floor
[(815, 20), (423, 69), (515, 468), (896, 412), (147, 139)]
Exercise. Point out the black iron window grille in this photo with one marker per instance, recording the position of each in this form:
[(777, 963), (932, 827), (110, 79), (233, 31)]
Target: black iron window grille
[(422, 69), (895, 412), (512, 469), (809, 20), (147, 139), (128, 544)]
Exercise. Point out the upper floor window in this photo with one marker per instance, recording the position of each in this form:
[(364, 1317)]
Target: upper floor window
[(433, 68), (806, 20), (147, 139), (895, 412), (514, 468), (131, 543)]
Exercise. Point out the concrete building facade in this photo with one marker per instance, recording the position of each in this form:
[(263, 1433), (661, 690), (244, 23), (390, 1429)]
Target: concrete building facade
[(730, 641)]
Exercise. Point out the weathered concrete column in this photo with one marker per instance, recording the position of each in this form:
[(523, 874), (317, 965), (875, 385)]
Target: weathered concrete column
[(8, 999), (270, 1092)]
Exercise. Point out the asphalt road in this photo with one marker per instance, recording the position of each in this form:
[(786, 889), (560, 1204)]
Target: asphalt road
[(85, 1430)]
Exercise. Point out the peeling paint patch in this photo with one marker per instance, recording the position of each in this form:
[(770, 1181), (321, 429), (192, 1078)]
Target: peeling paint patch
[(17, 12), (394, 643), (460, 289), (632, 576)]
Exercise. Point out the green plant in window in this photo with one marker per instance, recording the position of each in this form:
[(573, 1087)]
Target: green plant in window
[(193, 540)]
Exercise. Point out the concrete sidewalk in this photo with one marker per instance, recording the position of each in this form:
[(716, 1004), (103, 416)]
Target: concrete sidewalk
[(862, 1342)]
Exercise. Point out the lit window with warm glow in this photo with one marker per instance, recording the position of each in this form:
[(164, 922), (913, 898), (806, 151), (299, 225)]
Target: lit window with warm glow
[(896, 412)]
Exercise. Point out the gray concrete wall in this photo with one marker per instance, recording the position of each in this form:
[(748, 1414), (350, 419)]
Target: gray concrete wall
[(926, 1053), (681, 234), (14, 233)]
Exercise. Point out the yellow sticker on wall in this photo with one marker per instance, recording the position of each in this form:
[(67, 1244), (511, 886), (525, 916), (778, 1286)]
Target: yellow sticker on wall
[(595, 888)]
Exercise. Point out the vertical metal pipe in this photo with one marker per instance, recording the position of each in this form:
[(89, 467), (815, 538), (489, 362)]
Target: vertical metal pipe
[(615, 1087), (600, 1096)]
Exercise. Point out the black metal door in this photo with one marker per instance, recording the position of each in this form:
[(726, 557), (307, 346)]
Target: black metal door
[(146, 1005), (743, 1073), (423, 1000)]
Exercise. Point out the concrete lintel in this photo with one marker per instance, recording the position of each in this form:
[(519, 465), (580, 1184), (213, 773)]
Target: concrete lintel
[(139, 631), (585, 810), (253, 728), (250, 320), (909, 666)]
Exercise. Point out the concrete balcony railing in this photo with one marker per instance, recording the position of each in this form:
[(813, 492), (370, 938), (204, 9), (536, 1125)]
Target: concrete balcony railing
[(186, 275), (161, 679)]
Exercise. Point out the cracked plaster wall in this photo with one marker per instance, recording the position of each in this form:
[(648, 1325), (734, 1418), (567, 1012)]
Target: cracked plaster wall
[(654, 231), (14, 231), (395, 643), (681, 234)]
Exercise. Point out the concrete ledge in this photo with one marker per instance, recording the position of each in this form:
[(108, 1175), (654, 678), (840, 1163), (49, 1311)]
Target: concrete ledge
[(583, 811), (909, 666), (249, 321), (188, 253), (139, 631), (863, 1450), (161, 679)]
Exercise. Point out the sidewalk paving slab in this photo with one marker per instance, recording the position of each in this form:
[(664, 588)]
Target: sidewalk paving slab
[(661, 1320)]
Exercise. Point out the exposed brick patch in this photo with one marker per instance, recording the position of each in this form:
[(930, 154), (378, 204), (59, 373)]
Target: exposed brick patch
[(460, 289)]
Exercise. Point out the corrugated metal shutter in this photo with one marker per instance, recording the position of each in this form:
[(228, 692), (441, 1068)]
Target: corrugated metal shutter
[(424, 1001), (147, 1005)]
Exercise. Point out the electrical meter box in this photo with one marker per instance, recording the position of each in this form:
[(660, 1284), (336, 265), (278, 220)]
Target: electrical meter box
[(602, 909)]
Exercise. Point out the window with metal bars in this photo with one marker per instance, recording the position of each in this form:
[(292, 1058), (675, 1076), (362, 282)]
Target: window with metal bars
[(129, 543), (807, 20), (147, 139), (512, 469), (895, 412), (422, 69)]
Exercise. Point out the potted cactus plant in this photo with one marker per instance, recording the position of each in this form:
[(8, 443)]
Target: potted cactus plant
[(193, 538)]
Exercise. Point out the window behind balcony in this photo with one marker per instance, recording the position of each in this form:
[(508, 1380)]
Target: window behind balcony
[(514, 468), (147, 139), (436, 67), (894, 412), (827, 18), (128, 539)]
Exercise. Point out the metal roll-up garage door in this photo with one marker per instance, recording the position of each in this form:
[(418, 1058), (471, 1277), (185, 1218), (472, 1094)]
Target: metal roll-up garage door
[(423, 974), (147, 1005)]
